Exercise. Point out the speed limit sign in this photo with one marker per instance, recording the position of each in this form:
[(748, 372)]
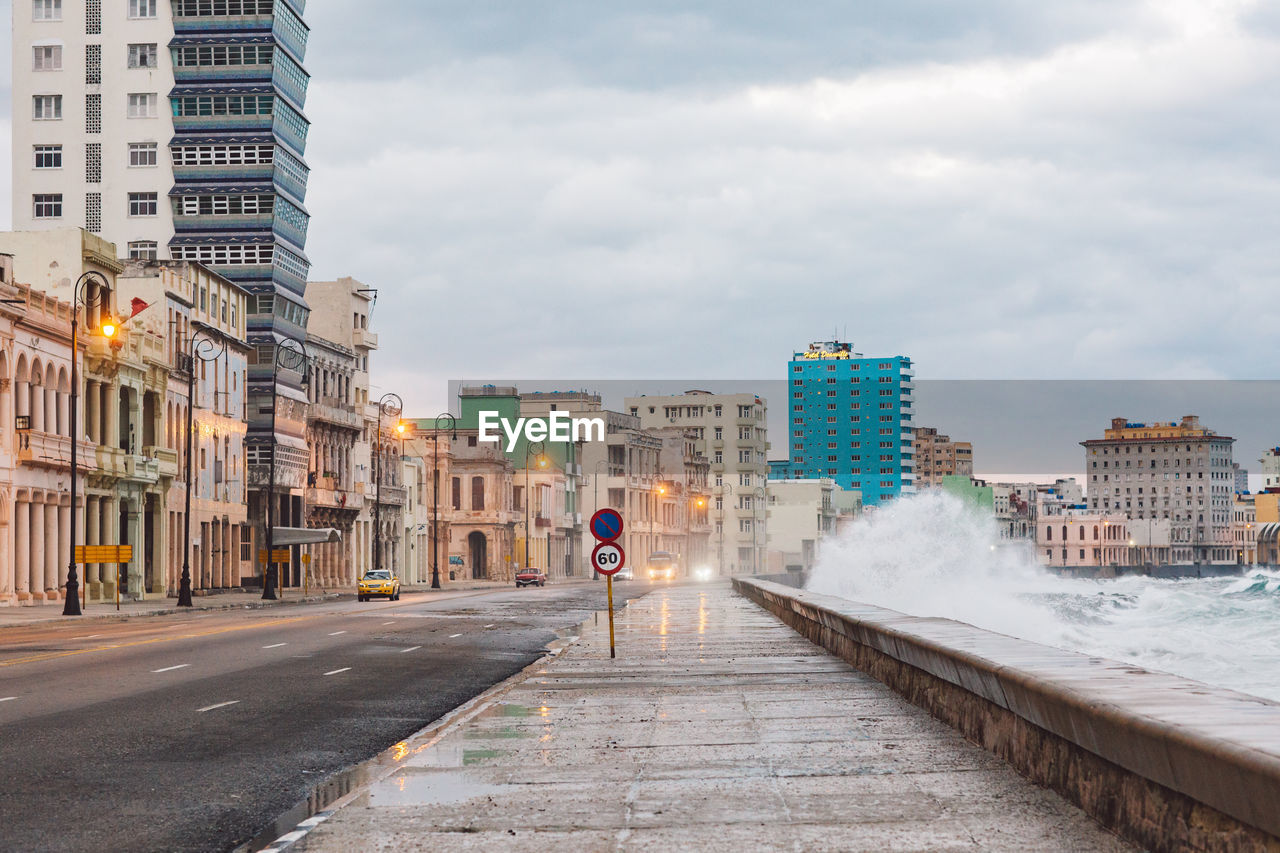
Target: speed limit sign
[(608, 557)]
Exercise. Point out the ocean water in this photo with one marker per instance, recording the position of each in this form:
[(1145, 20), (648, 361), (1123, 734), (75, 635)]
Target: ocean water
[(931, 555)]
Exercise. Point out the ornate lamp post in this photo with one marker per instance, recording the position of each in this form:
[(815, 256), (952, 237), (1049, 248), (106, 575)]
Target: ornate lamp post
[(435, 490), (291, 354), (202, 347), (390, 404), (97, 298)]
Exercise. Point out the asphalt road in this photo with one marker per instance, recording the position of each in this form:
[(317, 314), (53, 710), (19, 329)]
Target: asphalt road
[(195, 731)]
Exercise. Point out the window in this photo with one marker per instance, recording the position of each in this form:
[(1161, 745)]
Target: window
[(142, 56), (47, 206), (477, 493), (143, 250), (46, 57), (142, 105), (46, 10), (142, 8), (143, 204), (223, 105), (142, 154), (46, 107), (48, 156)]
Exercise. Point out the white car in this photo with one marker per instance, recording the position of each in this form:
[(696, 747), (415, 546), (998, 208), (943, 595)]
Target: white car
[(624, 574)]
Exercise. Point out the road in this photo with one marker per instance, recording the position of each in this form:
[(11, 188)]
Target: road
[(195, 731)]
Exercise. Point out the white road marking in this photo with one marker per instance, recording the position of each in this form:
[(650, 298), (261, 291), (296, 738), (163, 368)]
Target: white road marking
[(490, 625), (219, 705), (410, 649), (451, 636), (171, 668), (8, 698), (336, 633), (392, 622), (90, 637), (275, 645), (336, 671)]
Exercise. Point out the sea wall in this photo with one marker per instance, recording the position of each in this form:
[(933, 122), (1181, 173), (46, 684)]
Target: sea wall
[(1168, 763)]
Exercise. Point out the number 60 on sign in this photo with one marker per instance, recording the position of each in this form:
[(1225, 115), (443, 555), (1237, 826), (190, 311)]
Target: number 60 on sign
[(608, 558)]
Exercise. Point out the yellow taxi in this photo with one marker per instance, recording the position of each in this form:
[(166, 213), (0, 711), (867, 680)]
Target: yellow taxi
[(378, 582)]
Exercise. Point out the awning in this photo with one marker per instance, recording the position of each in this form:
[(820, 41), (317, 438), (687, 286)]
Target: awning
[(286, 536)]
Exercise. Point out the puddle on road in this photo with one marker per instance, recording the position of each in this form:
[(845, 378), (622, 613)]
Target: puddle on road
[(430, 788)]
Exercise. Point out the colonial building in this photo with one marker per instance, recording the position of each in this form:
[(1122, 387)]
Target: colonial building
[(1179, 471), (199, 316), (483, 517)]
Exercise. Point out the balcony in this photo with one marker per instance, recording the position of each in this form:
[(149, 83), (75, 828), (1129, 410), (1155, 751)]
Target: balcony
[(364, 338), (166, 460), (45, 449), (392, 495), (122, 465), (331, 498), (334, 410)]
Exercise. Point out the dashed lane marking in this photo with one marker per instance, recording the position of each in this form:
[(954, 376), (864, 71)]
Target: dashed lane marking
[(392, 622), (336, 671), (336, 633), (451, 636), (410, 649), (90, 637), (171, 668), (215, 707), (8, 698), (275, 645), (491, 624)]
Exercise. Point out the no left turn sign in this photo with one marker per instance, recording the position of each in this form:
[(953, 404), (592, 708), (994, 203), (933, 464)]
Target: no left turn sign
[(608, 557)]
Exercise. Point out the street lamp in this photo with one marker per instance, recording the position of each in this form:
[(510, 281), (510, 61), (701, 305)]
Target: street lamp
[(291, 354), (435, 491), (391, 405), (204, 348), (97, 298), (530, 449)]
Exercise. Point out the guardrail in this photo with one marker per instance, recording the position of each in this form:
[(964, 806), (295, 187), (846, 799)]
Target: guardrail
[(1166, 762)]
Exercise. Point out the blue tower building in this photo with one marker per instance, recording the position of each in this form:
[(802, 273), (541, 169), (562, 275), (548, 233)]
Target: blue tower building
[(850, 420), (240, 185)]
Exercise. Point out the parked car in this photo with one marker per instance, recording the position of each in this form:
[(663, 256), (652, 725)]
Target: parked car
[(379, 582), (531, 576), (626, 573)]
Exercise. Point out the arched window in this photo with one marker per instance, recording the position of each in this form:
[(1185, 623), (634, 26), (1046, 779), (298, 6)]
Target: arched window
[(457, 493), (1064, 533), (1082, 533), (477, 493), (1048, 533), (1095, 533)]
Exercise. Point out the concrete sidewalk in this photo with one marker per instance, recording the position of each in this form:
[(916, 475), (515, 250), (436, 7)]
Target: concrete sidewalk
[(717, 728)]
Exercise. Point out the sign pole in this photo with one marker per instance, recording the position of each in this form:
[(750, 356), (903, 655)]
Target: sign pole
[(609, 583), (117, 587)]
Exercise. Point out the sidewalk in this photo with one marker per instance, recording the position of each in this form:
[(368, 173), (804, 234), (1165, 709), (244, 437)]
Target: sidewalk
[(229, 600), (717, 728)]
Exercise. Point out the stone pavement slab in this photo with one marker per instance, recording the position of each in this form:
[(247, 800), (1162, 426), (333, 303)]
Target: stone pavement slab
[(716, 728)]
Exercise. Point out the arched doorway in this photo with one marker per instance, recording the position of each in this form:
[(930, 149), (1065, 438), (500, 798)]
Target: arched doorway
[(478, 546)]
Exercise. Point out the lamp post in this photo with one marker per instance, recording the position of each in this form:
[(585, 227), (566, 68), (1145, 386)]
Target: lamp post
[(92, 299), (204, 348), (435, 491), (291, 354), (529, 449), (389, 404)]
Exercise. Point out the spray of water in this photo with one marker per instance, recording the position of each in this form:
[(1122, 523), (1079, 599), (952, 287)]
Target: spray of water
[(933, 555)]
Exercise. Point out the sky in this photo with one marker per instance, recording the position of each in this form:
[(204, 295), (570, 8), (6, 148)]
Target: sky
[(997, 189)]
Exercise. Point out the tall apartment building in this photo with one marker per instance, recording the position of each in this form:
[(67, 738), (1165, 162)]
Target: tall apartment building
[(1178, 471), (850, 421), (731, 431), (937, 456), (175, 128)]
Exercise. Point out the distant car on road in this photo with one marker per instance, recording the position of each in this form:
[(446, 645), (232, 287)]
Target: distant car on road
[(626, 573), (661, 566), (531, 576), (380, 582)]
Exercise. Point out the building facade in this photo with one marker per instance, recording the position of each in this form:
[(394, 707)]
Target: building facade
[(731, 431), (1177, 471), (850, 421), (1270, 462), (937, 456)]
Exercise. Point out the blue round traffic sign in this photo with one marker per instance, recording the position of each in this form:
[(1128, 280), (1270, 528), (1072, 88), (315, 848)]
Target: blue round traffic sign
[(606, 524)]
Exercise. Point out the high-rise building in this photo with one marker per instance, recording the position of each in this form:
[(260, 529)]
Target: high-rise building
[(1179, 471), (850, 420), (937, 456), (175, 128)]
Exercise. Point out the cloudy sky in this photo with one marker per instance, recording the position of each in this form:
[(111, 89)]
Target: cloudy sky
[(998, 189)]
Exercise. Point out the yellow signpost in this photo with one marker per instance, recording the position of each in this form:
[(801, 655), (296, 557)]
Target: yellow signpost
[(117, 554)]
